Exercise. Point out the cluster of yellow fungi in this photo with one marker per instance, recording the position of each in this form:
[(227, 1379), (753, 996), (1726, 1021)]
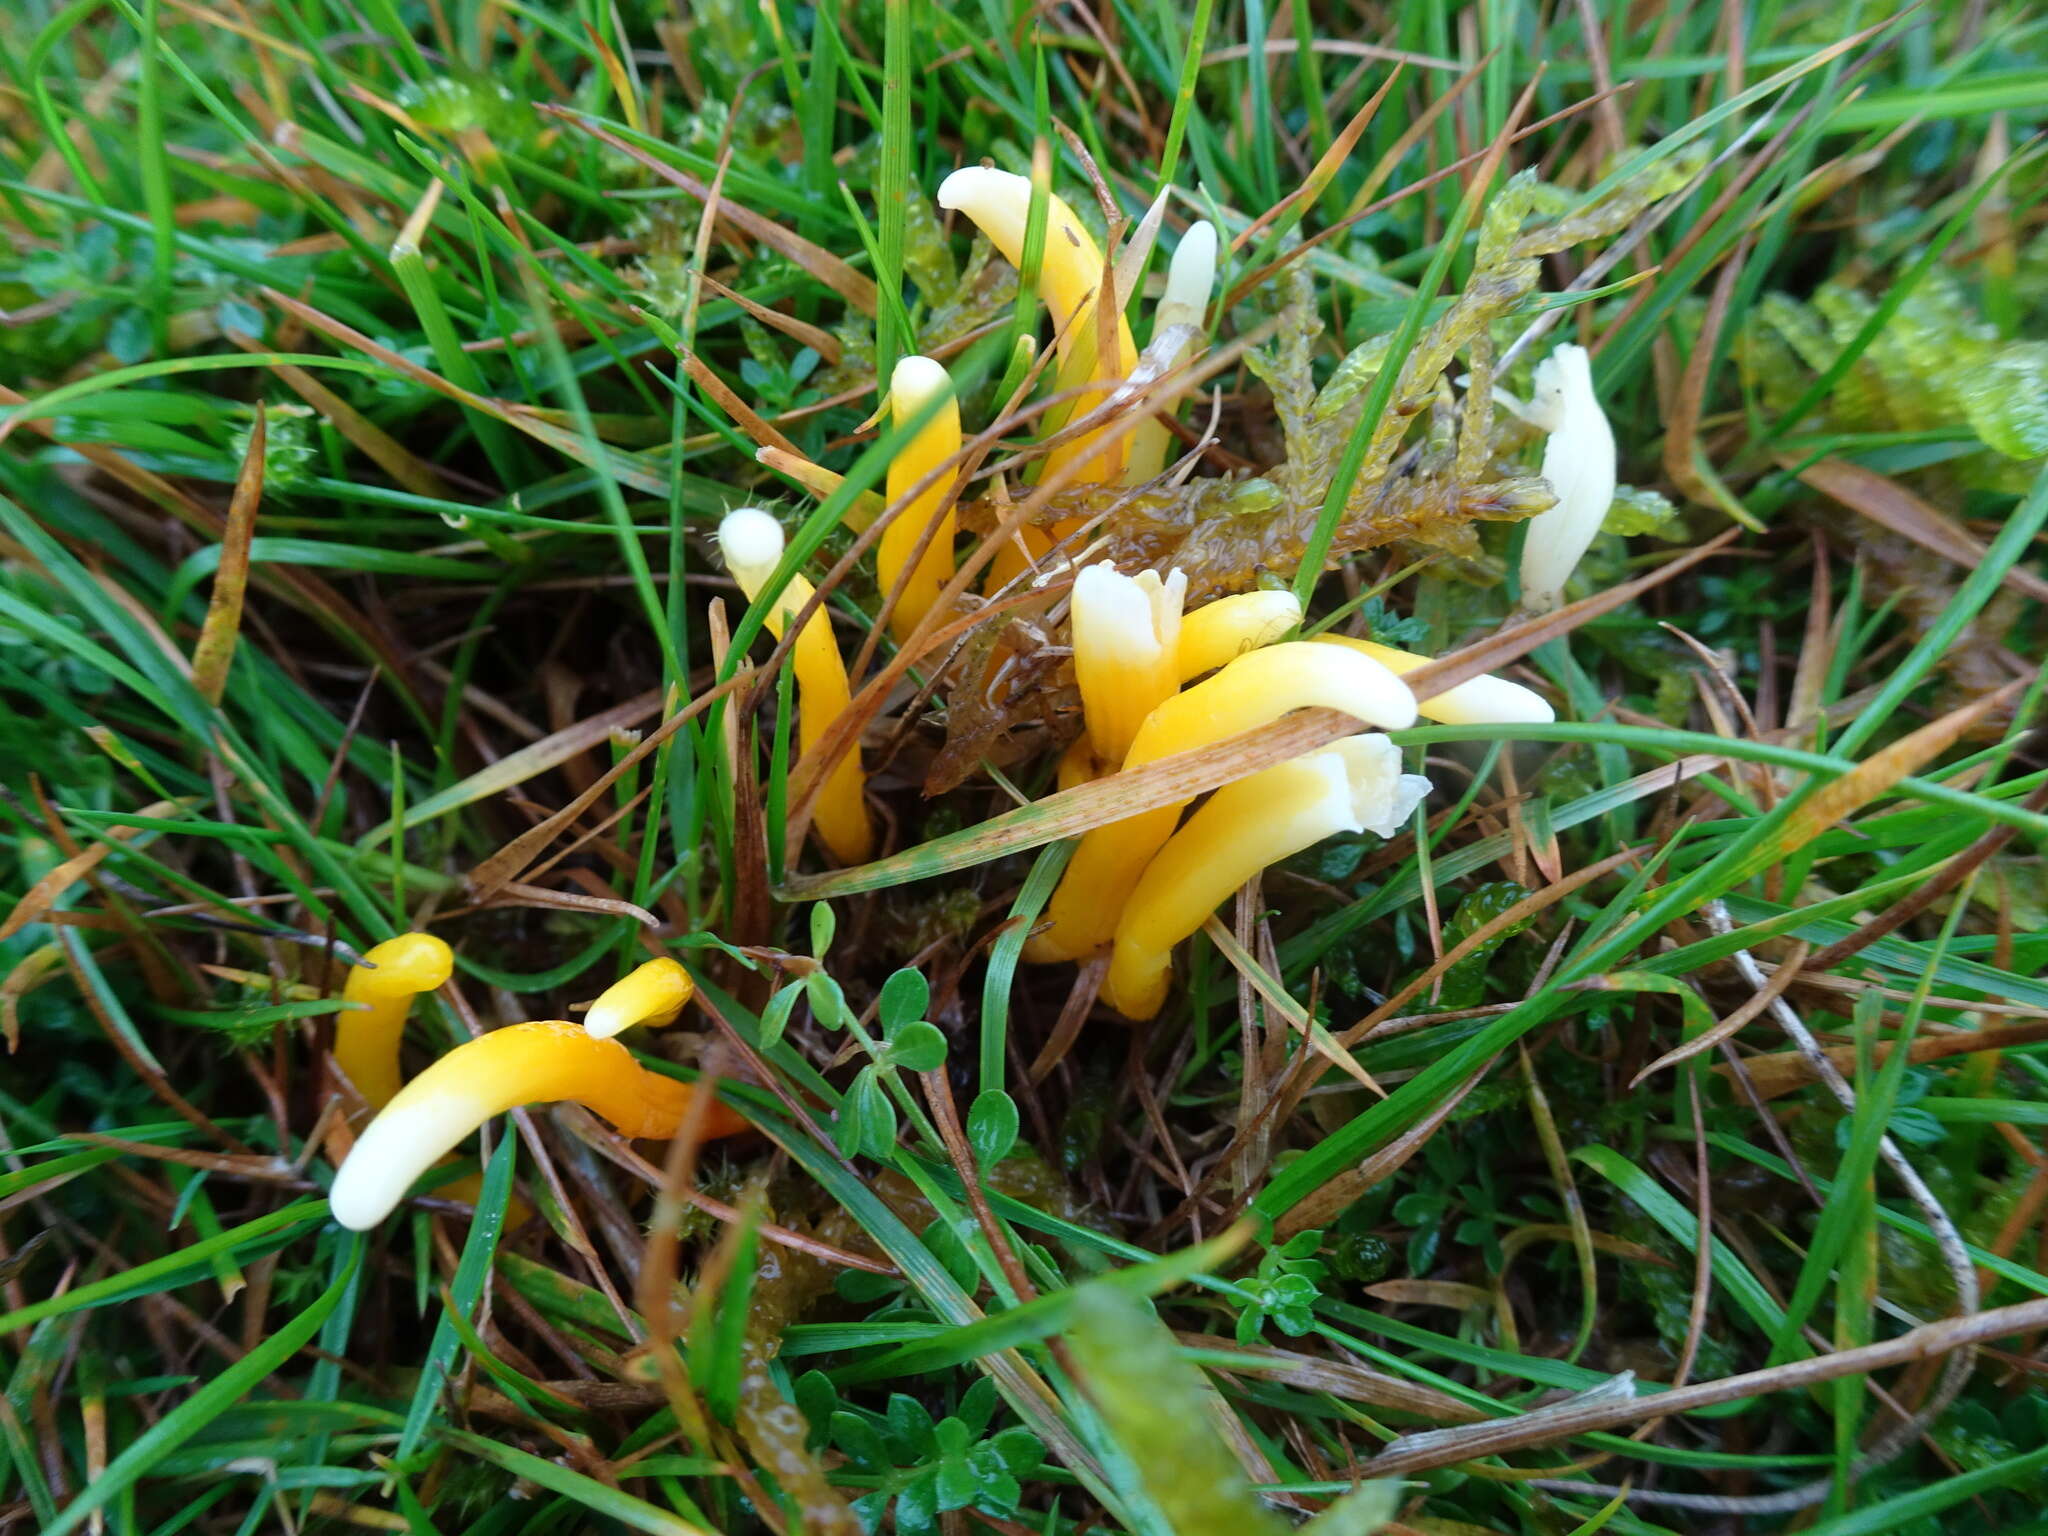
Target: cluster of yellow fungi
[(1154, 680), (414, 1126)]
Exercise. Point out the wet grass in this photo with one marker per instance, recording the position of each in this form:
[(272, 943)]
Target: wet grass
[(375, 378)]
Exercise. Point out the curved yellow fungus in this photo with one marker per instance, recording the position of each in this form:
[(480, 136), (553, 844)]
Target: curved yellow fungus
[(1217, 633), (366, 1039), (1486, 700), (1126, 633), (751, 542), (1069, 278), (914, 386), (652, 994), (1255, 689), (533, 1063), (1354, 785)]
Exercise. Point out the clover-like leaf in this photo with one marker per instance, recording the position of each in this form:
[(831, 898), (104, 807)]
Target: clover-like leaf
[(992, 1129), (775, 1017), (905, 996), (917, 1047), (828, 1002), (867, 1120)]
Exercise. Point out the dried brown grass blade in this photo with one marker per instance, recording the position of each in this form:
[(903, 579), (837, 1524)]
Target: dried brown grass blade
[(215, 652), (1784, 1072), (1685, 461), (29, 973), (1707, 1039), (1431, 1293), (40, 898), (1566, 1420), (512, 894), (822, 482), (1497, 650), (1276, 998), (818, 339), (1841, 798), (497, 870), (1326, 1202), (1331, 161), (377, 445), (563, 441), (749, 420), (535, 758), (1074, 811), (1890, 505), (1521, 911), (1340, 1378)]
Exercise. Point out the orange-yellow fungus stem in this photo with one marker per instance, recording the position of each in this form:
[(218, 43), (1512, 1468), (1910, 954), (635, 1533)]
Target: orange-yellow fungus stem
[(1217, 633), (1126, 633), (366, 1039), (1486, 700), (1256, 689), (916, 384), (654, 994), (534, 1063), (1350, 786), (751, 541), (1069, 279)]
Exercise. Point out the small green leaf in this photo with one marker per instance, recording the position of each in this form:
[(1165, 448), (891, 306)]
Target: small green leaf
[(992, 1126), (860, 1440), (917, 1047), (828, 1002), (867, 1120), (775, 1017), (905, 997), (823, 925)]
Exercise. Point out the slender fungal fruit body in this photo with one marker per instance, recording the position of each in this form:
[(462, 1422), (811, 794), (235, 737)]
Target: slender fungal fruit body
[(1485, 700), (653, 994), (1578, 461), (534, 1063), (366, 1039), (1353, 785), (1070, 276), (918, 385), (751, 542), (1256, 689)]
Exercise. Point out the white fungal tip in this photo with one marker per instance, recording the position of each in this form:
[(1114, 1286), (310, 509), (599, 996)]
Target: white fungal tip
[(1190, 277), (1579, 463), (977, 186), (389, 1157), (1382, 796), (750, 540), (915, 381)]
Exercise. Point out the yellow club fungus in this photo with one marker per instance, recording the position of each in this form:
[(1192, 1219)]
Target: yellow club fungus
[(1354, 785), (1216, 634), (1069, 280), (366, 1038), (534, 1063), (1255, 689), (919, 385), (751, 542), (654, 994), (1126, 634), (1486, 700)]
